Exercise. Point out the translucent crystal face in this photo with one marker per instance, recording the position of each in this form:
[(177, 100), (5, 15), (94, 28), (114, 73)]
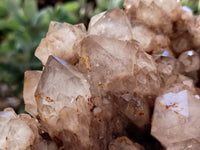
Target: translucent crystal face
[(123, 143), (113, 23), (61, 41), (64, 106), (187, 145), (31, 80), (174, 114)]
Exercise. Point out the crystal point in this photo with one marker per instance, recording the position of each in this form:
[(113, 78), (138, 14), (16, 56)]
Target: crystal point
[(113, 24), (62, 41)]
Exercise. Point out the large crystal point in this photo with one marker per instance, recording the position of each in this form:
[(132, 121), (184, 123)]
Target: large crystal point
[(62, 41), (108, 60), (31, 80), (15, 134), (175, 115), (62, 97), (113, 23)]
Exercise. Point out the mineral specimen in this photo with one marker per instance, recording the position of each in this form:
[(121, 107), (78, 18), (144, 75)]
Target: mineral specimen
[(133, 76)]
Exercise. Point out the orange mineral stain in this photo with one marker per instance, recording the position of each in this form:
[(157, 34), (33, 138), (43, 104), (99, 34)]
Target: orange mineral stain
[(48, 99)]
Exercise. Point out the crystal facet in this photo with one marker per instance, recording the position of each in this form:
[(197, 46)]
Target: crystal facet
[(62, 41)]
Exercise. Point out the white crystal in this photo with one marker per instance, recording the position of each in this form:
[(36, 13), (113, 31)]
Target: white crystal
[(62, 41), (113, 24), (175, 115), (177, 102), (15, 134)]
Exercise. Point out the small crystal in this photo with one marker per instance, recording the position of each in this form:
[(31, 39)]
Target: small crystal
[(175, 111), (15, 133), (113, 24), (144, 36), (190, 61), (150, 14), (62, 41), (123, 143), (31, 80), (135, 108)]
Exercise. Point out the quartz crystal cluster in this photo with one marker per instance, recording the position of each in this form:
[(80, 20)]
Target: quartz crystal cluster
[(128, 82)]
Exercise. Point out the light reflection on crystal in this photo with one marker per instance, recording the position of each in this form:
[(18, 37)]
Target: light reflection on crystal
[(185, 8), (197, 96), (6, 114), (191, 53), (178, 102), (165, 53)]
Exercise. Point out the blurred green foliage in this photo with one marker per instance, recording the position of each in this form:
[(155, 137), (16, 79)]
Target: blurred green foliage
[(22, 26)]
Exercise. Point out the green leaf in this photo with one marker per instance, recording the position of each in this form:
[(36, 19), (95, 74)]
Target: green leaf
[(3, 8), (72, 6), (9, 24), (42, 18), (20, 18), (115, 4), (30, 9), (13, 5)]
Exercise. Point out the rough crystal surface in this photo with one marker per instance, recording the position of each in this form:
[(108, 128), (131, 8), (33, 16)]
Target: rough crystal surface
[(97, 55), (31, 80), (62, 97), (185, 145), (174, 114), (123, 143), (190, 61), (15, 134), (62, 41)]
